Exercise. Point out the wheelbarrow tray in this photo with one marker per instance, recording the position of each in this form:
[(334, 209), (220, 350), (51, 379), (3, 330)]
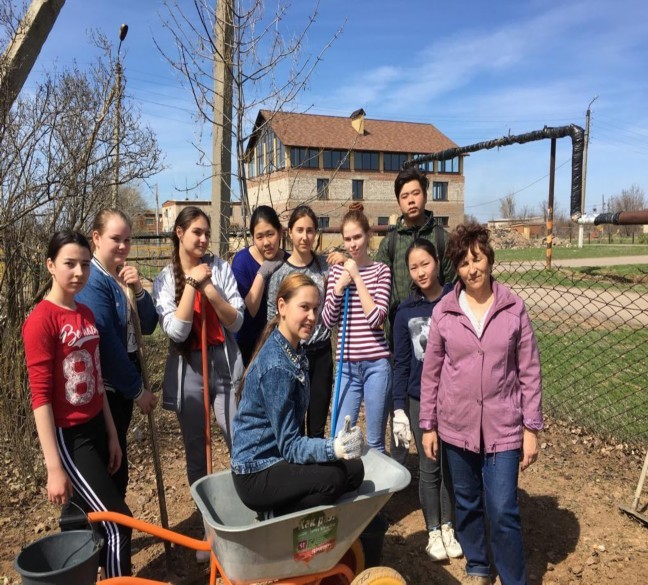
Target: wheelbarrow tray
[(301, 543)]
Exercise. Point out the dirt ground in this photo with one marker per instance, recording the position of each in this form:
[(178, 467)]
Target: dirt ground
[(574, 532)]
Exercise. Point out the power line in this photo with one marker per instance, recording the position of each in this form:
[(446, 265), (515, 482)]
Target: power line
[(516, 192)]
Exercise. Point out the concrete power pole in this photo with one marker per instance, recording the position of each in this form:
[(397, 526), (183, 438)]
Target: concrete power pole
[(222, 129), (584, 185), (24, 48)]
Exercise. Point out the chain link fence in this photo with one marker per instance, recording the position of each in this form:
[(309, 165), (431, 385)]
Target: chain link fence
[(592, 329)]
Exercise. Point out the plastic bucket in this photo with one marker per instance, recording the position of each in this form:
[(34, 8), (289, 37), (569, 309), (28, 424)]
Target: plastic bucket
[(64, 558), (373, 538)]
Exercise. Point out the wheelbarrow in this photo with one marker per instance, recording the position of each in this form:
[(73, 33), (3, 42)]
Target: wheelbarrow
[(317, 546)]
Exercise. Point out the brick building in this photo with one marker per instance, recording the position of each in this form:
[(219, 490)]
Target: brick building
[(328, 161)]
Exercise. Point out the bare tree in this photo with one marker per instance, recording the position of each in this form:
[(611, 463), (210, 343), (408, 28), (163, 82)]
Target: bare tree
[(470, 218), (56, 168), (631, 199), (507, 206), (268, 65)]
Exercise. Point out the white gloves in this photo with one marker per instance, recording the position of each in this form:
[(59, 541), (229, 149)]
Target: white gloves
[(349, 441), (401, 428)]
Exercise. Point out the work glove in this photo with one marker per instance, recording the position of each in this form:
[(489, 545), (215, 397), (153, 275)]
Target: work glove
[(402, 430), (269, 267), (348, 443)]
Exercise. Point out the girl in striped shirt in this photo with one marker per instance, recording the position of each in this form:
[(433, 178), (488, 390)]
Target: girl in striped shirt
[(366, 370)]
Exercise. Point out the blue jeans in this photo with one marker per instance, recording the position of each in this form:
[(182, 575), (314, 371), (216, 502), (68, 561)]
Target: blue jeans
[(370, 380), (486, 485)]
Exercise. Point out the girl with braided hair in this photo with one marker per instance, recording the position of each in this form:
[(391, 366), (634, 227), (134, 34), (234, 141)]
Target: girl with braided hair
[(177, 292)]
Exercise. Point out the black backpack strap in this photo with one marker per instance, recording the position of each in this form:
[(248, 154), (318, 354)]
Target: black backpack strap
[(391, 244), (440, 244)]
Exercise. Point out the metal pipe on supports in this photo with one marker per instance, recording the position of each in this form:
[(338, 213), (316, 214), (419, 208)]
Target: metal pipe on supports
[(550, 202)]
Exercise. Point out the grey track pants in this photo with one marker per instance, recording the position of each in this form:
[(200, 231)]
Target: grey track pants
[(192, 411)]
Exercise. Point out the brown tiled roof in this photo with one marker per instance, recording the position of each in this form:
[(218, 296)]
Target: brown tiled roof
[(311, 130)]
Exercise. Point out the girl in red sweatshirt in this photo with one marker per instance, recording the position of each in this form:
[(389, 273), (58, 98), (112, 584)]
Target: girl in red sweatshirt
[(75, 428)]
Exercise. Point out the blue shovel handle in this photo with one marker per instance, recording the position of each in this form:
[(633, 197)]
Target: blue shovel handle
[(338, 378)]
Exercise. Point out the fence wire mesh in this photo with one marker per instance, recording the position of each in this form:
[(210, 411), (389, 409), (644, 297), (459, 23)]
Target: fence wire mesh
[(592, 329)]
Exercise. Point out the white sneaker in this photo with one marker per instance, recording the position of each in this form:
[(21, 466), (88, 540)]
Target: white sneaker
[(435, 548), (452, 546)]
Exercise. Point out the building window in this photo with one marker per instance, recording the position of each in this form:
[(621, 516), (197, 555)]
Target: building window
[(449, 166), (336, 159), (322, 222), (305, 158), (439, 191), (357, 189), (426, 167), (281, 155), (393, 161), (365, 161), (259, 159), (252, 169), (441, 220), (383, 220), (322, 188)]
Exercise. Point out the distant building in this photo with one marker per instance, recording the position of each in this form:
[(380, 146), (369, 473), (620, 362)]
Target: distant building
[(172, 207), (328, 162), (531, 228), (144, 223)]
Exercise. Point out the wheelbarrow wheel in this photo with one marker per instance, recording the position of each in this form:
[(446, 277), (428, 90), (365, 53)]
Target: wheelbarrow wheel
[(354, 559), (379, 576)]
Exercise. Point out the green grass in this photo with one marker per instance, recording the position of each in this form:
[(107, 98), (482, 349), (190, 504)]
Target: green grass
[(559, 253), (622, 278), (596, 378)]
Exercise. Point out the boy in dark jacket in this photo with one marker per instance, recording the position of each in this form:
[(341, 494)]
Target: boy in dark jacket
[(410, 188)]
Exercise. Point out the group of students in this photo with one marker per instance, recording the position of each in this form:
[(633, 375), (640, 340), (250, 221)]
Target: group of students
[(269, 318)]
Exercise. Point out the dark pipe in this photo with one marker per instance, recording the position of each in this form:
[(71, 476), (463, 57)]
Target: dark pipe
[(623, 218), (576, 133)]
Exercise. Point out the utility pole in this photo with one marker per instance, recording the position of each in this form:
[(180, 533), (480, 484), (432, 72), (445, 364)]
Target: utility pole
[(222, 128), (584, 183), (157, 213), (23, 50), (123, 31)]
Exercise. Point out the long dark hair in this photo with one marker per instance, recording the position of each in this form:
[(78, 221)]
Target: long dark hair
[(184, 219), (267, 214), (305, 211), (63, 238), (427, 246), (287, 290)]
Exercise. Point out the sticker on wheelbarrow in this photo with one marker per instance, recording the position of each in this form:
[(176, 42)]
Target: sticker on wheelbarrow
[(315, 534)]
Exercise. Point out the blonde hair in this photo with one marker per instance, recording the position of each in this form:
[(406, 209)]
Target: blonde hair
[(101, 221)]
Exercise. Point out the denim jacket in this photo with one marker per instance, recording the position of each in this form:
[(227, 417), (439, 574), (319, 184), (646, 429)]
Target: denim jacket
[(274, 400)]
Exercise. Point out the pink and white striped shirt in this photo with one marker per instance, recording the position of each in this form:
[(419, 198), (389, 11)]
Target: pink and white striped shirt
[(365, 338)]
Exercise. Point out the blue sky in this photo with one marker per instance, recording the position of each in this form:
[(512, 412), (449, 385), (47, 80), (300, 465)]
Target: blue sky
[(477, 70)]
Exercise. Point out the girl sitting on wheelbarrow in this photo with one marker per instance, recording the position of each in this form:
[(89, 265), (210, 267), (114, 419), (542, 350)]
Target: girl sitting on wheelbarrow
[(366, 369), (73, 419), (302, 231), (277, 470)]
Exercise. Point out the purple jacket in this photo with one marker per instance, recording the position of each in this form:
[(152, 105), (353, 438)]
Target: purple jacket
[(489, 387)]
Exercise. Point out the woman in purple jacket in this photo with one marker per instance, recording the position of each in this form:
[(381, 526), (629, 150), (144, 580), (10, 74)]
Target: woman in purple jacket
[(481, 393)]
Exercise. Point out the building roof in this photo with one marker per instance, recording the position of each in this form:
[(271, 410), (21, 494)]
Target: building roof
[(336, 132), (186, 202)]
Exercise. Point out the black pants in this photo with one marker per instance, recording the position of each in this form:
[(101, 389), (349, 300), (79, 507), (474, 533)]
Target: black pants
[(84, 453), (320, 372), (121, 409), (288, 487)]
